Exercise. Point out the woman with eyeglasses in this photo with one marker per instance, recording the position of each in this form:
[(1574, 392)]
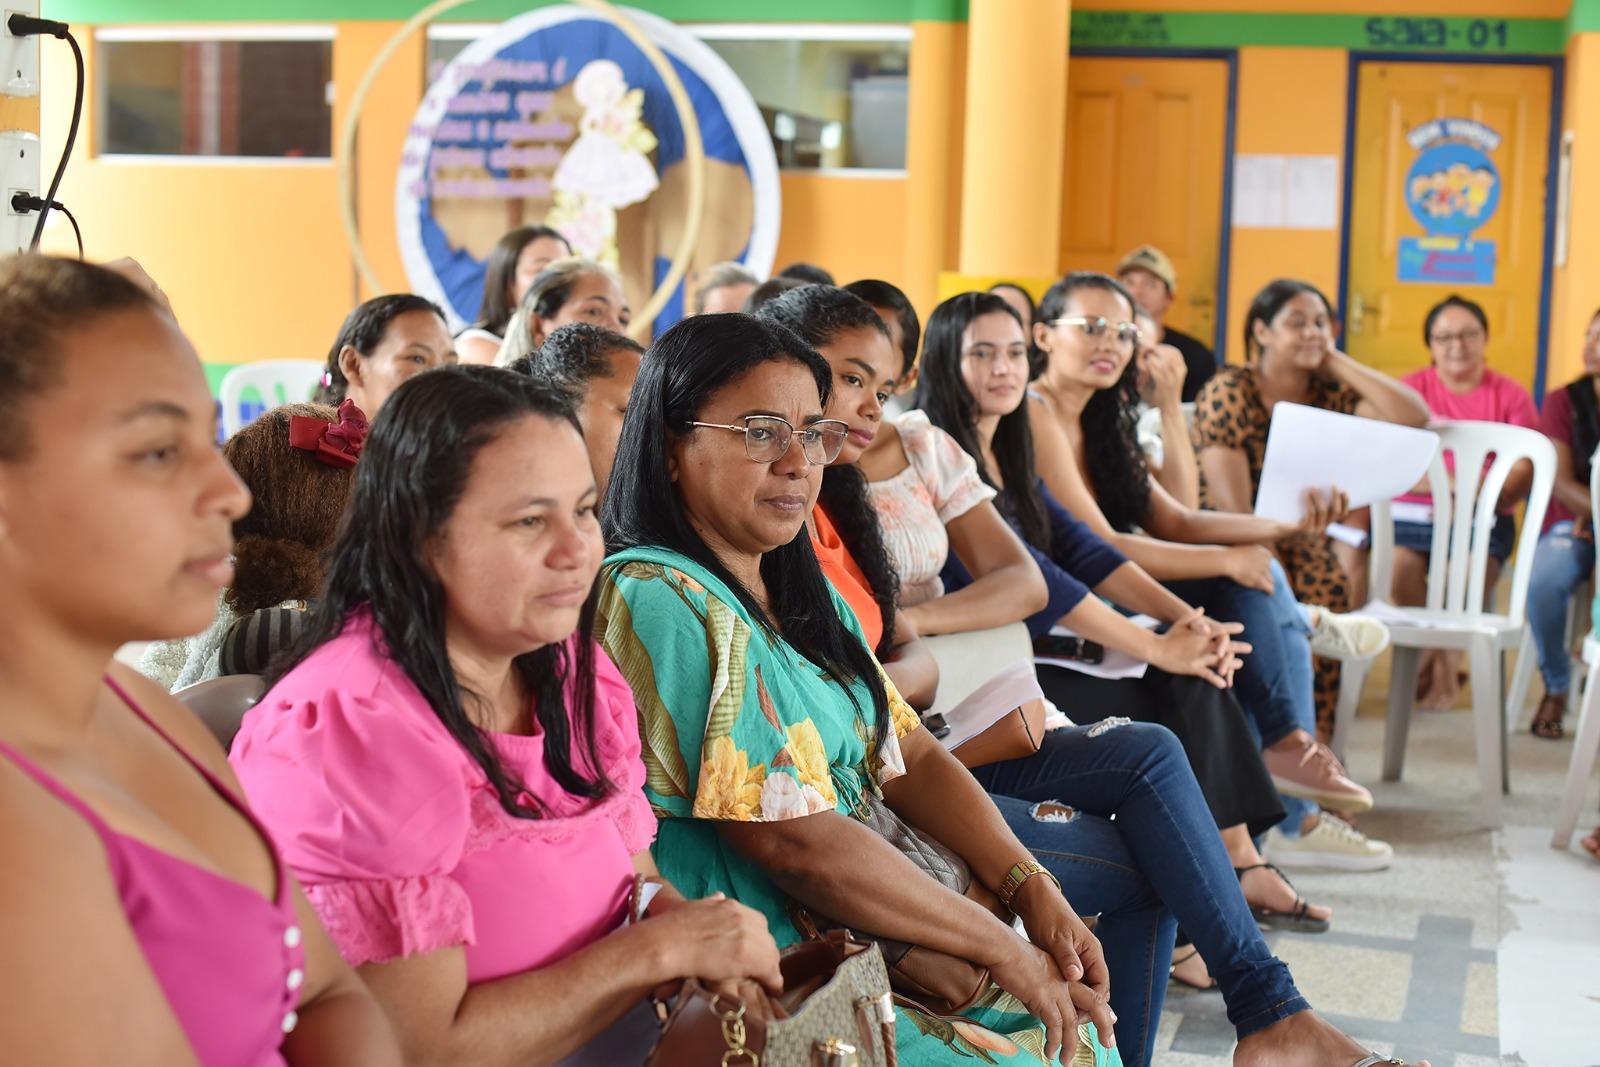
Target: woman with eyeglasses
[(769, 730), (1083, 418), (1458, 384)]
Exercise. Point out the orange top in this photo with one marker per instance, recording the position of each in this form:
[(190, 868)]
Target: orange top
[(843, 571)]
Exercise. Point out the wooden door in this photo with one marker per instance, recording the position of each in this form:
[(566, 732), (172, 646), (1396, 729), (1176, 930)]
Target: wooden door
[(1490, 126), (1144, 147)]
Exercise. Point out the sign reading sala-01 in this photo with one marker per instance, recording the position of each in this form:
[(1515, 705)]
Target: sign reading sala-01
[(556, 118), (1452, 189)]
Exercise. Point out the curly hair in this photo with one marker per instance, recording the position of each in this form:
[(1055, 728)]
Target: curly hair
[(1111, 453), (281, 543)]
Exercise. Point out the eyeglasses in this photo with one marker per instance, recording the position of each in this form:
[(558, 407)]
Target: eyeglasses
[(767, 438), (1127, 333), (1466, 337)]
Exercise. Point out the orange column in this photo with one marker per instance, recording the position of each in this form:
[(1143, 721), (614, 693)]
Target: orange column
[(1016, 101), (933, 141), (1577, 280)]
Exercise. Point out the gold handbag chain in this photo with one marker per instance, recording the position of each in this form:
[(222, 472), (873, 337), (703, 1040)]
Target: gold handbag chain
[(733, 1033)]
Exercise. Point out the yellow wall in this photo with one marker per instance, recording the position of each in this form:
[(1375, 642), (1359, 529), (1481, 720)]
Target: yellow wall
[(1577, 285), (851, 226), (1291, 101)]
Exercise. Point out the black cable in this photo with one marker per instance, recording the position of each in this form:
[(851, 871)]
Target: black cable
[(28, 26), (75, 231)]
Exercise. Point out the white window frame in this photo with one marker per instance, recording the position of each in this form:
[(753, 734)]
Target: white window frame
[(886, 32), (208, 32)]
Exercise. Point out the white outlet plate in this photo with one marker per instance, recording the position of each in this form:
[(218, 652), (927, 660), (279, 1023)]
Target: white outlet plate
[(19, 56), (19, 173)]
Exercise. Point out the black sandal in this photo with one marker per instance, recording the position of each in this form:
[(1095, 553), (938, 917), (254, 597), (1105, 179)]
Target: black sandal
[(1549, 726), (1298, 921), (1172, 973)]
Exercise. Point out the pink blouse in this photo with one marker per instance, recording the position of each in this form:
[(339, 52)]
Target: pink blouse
[(939, 485), (399, 839)]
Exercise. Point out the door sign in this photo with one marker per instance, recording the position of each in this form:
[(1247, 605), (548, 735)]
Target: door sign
[(1452, 189)]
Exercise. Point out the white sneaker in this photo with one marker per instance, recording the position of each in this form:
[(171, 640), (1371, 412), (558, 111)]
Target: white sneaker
[(1347, 637), (1332, 844)]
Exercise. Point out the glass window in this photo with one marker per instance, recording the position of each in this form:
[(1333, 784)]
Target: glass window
[(215, 96), (830, 102)]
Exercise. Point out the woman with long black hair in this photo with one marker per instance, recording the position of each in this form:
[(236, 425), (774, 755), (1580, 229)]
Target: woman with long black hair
[(453, 767)]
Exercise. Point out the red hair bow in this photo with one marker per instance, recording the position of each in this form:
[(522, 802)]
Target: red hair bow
[(338, 444)]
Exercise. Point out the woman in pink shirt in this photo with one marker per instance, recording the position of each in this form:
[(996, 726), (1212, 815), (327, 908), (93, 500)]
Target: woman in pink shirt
[(145, 918), (1459, 386), (453, 774)]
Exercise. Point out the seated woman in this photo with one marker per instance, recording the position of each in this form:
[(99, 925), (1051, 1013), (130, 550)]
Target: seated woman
[(568, 290), (770, 729), (1458, 384), (517, 259), (1081, 414), (1565, 557), (510, 783), (382, 343), (597, 368), (1213, 731), (145, 917), (296, 461)]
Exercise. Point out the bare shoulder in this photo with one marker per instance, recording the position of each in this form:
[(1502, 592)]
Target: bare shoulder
[(168, 712)]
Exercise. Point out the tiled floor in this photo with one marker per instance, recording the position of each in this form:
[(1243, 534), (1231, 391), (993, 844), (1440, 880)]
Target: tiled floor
[(1475, 949)]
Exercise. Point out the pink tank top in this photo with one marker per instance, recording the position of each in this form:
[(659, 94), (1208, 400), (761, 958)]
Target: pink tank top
[(229, 960)]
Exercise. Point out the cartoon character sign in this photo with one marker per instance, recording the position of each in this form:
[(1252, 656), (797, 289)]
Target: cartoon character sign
[(1452, 189)]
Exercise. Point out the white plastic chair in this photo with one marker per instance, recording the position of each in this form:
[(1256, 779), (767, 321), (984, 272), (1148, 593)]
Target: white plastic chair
[(1454, 617), (279, 381), (1586, 745)]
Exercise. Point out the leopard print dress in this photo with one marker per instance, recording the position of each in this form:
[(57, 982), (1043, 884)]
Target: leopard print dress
[(1229, 413)]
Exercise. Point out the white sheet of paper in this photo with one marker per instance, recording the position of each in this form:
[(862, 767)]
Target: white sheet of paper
[(1115, 665), (1259, 189), (1313, 198), (1309, 448)]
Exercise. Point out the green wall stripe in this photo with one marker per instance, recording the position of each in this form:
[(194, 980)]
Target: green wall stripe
[(1486, 36), (1584, 17), (157, 11)]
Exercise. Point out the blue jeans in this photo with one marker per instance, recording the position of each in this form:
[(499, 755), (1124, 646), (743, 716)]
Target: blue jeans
[(1275, 684), (1560, 564), (1159, 861)]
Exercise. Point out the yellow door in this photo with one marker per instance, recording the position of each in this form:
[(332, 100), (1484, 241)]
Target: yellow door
[(1449, 194), (1144, 149)]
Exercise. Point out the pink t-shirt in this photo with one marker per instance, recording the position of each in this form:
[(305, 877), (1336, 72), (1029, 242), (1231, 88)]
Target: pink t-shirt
[(1496, 399), (400, 841)]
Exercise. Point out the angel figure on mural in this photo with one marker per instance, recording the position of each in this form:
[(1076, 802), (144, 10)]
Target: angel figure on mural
[(608, 166)]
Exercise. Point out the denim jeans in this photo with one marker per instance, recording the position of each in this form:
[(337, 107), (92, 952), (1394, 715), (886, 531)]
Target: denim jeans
[(1159, 861), (1560, 564), (1275, 684)]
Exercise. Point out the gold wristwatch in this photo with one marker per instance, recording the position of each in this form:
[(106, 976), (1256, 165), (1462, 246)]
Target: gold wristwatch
[(1018, 874)]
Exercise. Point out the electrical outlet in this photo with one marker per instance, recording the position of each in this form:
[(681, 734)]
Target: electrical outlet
[(19, 56), (19, 173)]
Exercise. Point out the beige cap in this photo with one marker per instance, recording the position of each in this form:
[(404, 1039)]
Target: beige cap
[(1152, 259)]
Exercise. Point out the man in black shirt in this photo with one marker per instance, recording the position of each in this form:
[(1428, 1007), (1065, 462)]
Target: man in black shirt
[(1150, 277)]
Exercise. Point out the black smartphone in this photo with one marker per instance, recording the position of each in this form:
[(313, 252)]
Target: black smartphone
[(936, 724), (1060, 646)]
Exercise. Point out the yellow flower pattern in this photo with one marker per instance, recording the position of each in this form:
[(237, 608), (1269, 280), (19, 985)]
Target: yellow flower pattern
[(811, 759), (729, 787)]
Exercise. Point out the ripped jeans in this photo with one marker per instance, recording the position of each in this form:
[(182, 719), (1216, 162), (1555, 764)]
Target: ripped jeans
[(1160, 863)]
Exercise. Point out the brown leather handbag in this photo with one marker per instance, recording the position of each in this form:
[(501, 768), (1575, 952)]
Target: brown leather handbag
[(1016, 735), (835, 1011)]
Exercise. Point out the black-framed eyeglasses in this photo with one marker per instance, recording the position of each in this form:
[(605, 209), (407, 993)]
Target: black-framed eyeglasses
[(1469, 336), (767, 438), (1127, 333)]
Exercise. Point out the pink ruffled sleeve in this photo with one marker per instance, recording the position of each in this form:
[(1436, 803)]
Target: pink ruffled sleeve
[(370, 806), (618, 722)]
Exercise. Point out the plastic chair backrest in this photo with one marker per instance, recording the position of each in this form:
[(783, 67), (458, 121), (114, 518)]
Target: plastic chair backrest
[(1456, 575), (1150, 421), (1594, 524), (221, 702), (279, 381)]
